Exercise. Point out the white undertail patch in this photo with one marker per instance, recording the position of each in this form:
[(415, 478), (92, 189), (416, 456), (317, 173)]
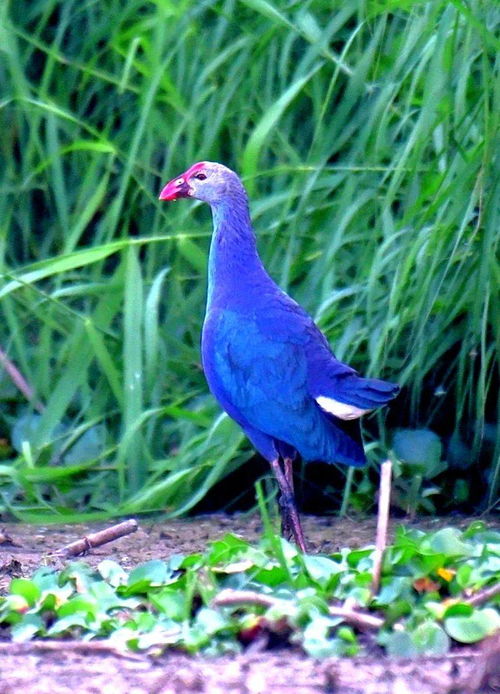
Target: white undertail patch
[(340, 409)]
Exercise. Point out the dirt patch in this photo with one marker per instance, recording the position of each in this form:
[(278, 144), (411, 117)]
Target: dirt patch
[(54, 668), (31, 545)]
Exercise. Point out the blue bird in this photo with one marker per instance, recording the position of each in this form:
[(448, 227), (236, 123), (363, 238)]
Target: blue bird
[(266, 362)]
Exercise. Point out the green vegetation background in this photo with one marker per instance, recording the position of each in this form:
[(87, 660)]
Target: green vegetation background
[(367, 135)]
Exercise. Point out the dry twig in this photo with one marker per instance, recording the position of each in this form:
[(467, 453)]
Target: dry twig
[(382, 522), (230, 598), (97, 539), (482, 596)]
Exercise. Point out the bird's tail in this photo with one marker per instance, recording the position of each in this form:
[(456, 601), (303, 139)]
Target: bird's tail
[(366, 393)]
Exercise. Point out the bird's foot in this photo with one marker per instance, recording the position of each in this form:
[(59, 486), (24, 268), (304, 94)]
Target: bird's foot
[(290, 520), (291, 526), (286, 525)]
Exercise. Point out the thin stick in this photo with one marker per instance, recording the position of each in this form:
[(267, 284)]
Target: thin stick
[(229, 598), (97, 539), (382, 522), (483, 595)]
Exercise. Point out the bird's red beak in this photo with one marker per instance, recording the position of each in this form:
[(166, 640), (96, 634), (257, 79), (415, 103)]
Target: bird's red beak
[(176, 188)]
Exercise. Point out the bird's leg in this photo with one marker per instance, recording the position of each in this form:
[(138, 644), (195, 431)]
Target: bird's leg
[(286, 523), (289, 514), (288, 465)]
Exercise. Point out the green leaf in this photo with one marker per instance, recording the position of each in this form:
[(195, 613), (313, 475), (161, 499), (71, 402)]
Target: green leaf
[(318, 641), (211, 621), (447, 541), (64, 263), (26, 588), (430, 639), (227, 549), (31, 625), (151, 573), (427, 638), (473, 628), (463, 576), (421, 448), (78, 605), (459, 609), (68, 623), (399, 644), (393, 587), (321, 569), (112, 572), (131, 450), (171, 602)]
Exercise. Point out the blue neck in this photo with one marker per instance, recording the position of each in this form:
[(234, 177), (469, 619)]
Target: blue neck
[(234, 264)]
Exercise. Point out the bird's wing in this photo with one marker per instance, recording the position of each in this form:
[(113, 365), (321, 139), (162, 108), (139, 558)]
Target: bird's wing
[(251, 365), (257, 367), (337, 388)]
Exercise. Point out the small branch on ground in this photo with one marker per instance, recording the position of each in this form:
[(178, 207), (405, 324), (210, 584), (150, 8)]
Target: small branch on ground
[(97, 539), (360, 620), (234, 598), (19, 381), (382, 522), (482, 596), (230, 598)]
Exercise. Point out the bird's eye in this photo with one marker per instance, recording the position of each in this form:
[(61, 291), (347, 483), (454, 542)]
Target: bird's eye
[(200, 176)]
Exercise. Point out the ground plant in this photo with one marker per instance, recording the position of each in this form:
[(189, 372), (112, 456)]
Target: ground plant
[(237, 595), (367, 135)]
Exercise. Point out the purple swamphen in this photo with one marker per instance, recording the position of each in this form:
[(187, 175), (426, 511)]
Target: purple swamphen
[(265, 360)]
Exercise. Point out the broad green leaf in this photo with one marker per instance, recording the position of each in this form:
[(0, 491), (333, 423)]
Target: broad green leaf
[(152, 573), (25, 588), (321, 569), (211, 621), (81, 605), (31, 625), (473, 628), (319, 640), (430, 639), (418, 447), (67, 623), (170, 602), (399, 644), (112, 572), (227, 549), (447, 541)]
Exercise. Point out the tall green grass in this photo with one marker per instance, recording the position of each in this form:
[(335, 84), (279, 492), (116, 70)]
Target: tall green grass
[(367, 134)]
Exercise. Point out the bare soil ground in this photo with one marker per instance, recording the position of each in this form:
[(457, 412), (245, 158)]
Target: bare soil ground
[(94, 668)]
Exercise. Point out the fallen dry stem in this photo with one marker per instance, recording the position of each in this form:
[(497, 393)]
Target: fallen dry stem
[(102, 537), (483, 596), (230, 598), (382, 522)]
